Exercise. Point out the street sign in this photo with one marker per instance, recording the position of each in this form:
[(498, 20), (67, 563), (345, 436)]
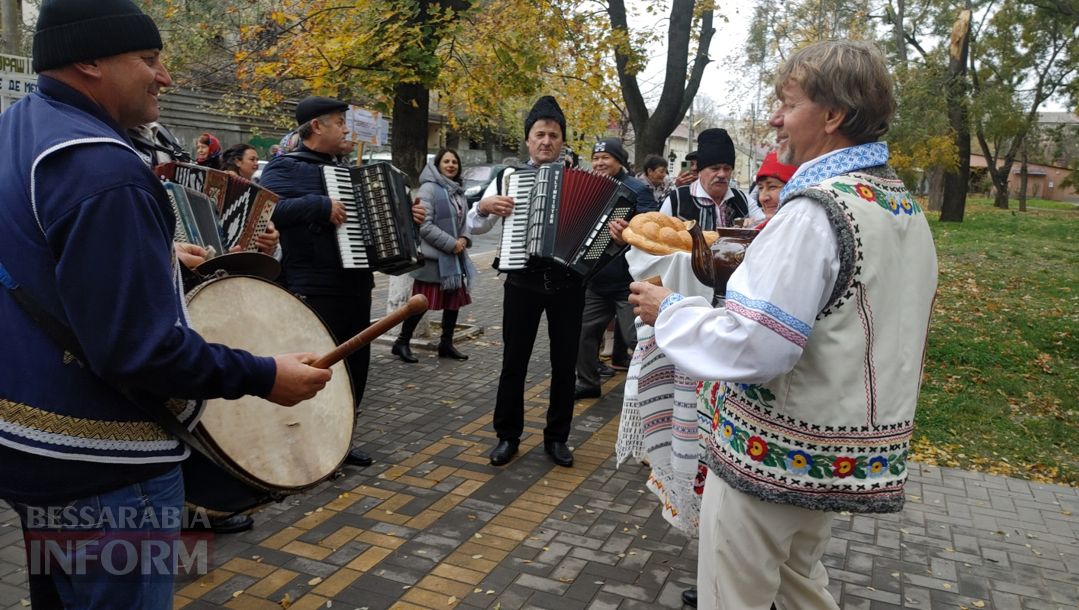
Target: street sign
[(16, 64), (16, 86), (367, 126), (17, 78)]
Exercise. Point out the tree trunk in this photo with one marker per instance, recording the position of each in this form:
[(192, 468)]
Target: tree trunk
[(1000, 183), (680, 80), (936, 189), (399, 293), (900, 39), (411, 102), (1023, 180), (955, 183), (453, 139), (11, 13), (489, 144)]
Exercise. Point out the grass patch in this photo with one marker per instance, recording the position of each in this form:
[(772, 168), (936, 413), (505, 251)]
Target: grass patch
[(1001, 386), (1044, 204)]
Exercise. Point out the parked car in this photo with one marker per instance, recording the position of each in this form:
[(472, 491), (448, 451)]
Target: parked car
[(477, 178), (258, 172)]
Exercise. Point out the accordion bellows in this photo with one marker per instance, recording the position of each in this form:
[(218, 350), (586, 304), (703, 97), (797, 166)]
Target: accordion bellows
[(240, 208), (560, 216)]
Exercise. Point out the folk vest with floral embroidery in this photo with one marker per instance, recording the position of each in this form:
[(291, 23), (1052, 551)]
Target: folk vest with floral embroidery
[(834, 433)]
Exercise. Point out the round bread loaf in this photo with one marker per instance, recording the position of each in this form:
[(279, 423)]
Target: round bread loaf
[(659, 234)]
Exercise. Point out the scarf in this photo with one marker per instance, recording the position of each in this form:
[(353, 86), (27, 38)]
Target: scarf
[(215, 149), (455, 270), (837, 163)]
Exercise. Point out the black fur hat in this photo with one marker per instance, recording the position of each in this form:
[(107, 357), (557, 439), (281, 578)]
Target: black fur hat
[(714, 146), (546, 108)]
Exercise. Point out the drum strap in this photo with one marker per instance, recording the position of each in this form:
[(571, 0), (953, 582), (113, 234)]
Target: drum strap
[(64, 337)]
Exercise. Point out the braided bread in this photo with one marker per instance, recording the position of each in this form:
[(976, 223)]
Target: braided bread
[(659, 234)]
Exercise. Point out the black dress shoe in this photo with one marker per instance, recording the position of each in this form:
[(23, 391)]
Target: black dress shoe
[(356, 457), (222, 525), (403, 352), (449, 351), (504, 450), (580, 392), (604, 370), (689, 597), (559, 452)]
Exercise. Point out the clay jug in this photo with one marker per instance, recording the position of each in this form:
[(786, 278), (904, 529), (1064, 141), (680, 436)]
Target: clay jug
[(713, 265)]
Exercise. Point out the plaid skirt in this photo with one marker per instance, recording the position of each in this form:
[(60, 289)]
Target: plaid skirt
[(437, 298)]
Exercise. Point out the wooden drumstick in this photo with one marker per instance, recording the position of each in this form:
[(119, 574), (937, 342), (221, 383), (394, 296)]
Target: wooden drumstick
[(415, 305)]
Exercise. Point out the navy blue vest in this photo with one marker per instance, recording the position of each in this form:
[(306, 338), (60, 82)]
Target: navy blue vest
[(51, 405)]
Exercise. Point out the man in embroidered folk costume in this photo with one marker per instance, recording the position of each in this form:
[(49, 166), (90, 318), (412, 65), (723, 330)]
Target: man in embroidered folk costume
[(710, 200), (819, 348), (86, 240)]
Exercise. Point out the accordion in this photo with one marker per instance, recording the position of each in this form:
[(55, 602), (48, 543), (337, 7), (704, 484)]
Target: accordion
[(242, 209), (560, 216), (379, 232), (196, 218)]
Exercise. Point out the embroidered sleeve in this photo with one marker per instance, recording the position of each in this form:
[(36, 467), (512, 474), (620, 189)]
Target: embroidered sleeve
[(767, 314), (772, 301), (670, 300)]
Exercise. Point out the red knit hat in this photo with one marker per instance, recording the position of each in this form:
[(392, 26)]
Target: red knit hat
[(772, 167)]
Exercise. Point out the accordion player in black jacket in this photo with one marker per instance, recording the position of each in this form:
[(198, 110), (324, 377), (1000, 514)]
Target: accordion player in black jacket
[(529, 294)]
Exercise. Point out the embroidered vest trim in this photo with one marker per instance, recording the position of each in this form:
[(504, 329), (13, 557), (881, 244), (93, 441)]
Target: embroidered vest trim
[(768, 439)]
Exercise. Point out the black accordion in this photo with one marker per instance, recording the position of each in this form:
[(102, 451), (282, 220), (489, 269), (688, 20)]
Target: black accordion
[(241, 209), (379, 232), (560, 216)]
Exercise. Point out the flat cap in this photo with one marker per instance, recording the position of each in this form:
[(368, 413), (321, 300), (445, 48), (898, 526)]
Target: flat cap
[(314, 107)]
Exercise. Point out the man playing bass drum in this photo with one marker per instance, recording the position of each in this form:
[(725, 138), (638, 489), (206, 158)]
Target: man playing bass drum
[(86, 238)]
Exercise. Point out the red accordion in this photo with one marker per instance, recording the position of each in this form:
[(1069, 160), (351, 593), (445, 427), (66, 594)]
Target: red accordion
[(560, 216)]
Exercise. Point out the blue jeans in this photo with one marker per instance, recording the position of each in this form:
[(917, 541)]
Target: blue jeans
[(113, 550)]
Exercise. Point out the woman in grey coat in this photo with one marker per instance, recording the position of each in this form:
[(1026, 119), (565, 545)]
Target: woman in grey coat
[(447, 271)]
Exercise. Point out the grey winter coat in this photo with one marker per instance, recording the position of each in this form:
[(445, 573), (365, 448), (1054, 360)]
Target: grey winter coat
[(434, 239)]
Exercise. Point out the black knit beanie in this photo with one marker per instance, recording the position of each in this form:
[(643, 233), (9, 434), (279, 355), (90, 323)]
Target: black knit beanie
[(70, 31), (613, 147), (714, 146), (546, 108)]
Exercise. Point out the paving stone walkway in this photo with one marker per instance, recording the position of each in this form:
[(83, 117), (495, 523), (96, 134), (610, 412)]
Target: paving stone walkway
[(431, 525)]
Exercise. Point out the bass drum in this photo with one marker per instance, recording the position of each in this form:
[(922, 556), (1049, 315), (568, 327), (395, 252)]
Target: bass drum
[(263, 451)]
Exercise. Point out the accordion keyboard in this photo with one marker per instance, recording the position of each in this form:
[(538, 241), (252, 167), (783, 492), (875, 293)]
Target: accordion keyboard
[(350, 235), (513, 252)]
